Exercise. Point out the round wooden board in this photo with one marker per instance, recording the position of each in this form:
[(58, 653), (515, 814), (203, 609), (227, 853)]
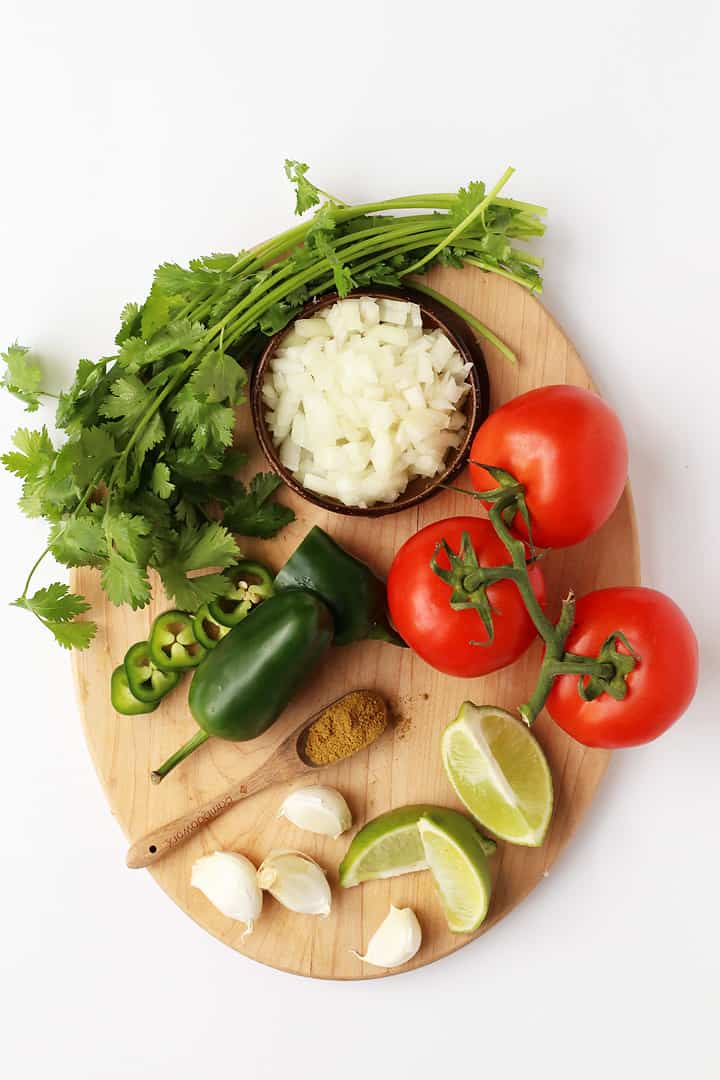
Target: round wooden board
[(404, 766)]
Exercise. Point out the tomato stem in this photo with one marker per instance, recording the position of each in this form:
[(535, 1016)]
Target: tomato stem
[(605, 673)]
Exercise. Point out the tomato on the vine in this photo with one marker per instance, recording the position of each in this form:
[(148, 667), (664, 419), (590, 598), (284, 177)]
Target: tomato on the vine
[(456, 641), (659, 688), (568, 449)]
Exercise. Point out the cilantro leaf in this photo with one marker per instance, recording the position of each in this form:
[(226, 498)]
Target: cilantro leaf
[(180, 336), (380, 274), (449, 256), (321, 238), (79, 406), (208, 425), (73, 635), (129, 535), (34, 455), (210, 545), (232, 462), (219, 260), (127, 400), (54, 602), (190, 593), (79, 541), (466, 200), (43, 494), (153, 433), (220, 378), (125, 582), (195, 281), (156, 511), (98, 450), (129, 323), (23, 377), (249, 512), (56, 608), (160, 481), (229, 296), (132, 354), (306, 194), (197, 548), (277, 316), (158, 310)]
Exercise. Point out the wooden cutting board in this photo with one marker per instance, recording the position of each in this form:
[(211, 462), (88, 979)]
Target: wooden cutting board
[(404, 767)]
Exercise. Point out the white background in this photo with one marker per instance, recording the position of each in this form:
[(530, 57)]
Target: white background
[(140, 132)]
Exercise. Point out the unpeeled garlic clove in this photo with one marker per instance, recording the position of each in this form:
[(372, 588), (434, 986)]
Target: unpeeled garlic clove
[(395, 941), (229, 881), (296, 881), (318, 809)]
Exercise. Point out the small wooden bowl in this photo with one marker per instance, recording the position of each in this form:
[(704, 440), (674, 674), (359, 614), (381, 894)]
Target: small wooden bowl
[(476, 405)]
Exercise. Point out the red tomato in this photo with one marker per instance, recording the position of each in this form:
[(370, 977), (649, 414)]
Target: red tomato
[(419, 602), (660, 687), (569, 450)]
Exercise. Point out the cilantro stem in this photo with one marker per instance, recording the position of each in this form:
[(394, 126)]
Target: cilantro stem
[(481, 328), (33, 568), (483, 265), (526, 257), (459, 229), (90, 488)]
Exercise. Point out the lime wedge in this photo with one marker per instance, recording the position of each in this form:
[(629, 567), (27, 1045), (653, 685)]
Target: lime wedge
[(387, 846), (456, 857), (427, 838), (499, 771)]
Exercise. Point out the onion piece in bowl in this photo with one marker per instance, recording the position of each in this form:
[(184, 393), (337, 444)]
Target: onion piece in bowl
[(360, 399)]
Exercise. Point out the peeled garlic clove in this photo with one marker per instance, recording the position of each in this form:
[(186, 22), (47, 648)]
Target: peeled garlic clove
[(229, 881), (318, 809), (395, 941), (296, 881)]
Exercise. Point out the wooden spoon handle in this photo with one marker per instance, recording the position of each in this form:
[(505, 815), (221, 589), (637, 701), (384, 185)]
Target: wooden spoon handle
[(156, 844)]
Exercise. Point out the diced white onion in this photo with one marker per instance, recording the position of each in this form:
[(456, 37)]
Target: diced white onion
[(360, 399)]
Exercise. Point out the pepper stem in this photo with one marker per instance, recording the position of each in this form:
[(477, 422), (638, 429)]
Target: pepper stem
[(184, 751)]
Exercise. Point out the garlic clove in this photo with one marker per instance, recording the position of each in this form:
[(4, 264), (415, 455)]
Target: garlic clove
[(296, 881), (320, 810), (395, 941), (229, 881)]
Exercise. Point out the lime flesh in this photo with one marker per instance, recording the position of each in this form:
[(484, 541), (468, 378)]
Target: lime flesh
[(500, 773), (387, 846), (459, 867)]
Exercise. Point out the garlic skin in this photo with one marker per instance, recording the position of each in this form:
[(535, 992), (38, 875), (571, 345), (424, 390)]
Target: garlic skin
[(229, 881), (297, 882), (395, 941), (320, 810)]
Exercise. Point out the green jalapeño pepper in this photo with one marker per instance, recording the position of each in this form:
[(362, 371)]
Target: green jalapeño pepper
[(122, 698), (207, 630), (146, 680), (251, 584), (350, 589), (247, 681), (173, 645)]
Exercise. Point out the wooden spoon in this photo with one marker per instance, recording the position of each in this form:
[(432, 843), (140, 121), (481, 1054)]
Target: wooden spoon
[(285, 763)]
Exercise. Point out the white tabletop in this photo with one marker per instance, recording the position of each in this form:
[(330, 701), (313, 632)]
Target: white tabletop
[(141, 132)]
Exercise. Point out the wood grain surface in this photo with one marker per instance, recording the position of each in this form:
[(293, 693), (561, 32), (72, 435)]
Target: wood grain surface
[(404, 766)]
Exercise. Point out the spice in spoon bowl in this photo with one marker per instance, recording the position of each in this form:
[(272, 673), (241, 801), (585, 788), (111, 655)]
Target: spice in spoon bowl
[(344, 727)]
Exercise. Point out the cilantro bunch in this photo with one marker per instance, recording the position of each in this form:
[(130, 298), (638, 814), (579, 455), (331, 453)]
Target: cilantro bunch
[(148, 467)]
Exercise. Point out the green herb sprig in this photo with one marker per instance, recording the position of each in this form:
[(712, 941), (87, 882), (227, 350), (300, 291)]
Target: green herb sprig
[(148, 462)]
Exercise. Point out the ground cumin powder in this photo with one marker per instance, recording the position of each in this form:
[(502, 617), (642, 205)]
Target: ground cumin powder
[(348, 725)]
